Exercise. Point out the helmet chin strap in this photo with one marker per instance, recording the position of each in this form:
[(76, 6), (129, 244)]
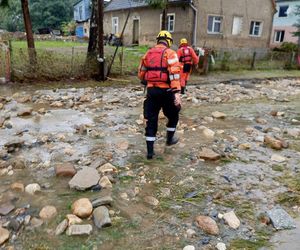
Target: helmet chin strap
[(163, 42)]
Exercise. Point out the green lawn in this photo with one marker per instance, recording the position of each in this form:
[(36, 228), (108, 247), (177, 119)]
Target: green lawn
[(49, 44)]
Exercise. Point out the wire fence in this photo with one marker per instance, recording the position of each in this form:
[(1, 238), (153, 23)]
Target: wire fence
[(62, 61)]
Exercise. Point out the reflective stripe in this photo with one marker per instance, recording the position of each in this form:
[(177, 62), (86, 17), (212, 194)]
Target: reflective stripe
[(171, 77), (171, 129), (143, 68), (174, 60), (176, 76), (148, 138)]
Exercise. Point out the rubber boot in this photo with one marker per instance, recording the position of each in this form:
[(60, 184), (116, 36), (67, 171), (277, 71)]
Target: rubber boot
[(182, 90), (150, 151), (171, 139)]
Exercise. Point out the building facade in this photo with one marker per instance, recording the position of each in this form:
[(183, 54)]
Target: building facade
[(284, 19), (217, 24), (82, 14)]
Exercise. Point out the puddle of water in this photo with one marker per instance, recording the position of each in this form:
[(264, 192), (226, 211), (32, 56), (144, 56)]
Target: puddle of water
[(287, 239)]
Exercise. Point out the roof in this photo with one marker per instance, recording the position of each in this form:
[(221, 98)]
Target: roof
[(127, 4), (124, 4)]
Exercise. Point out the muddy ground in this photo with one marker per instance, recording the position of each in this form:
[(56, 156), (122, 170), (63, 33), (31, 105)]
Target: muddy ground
[(95, 125)]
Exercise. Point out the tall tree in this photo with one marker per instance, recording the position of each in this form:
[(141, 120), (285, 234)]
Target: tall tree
[(297, 25), (163, 5), (28, 28)]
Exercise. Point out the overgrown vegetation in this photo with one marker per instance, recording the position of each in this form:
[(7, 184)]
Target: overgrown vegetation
[(292, 197)]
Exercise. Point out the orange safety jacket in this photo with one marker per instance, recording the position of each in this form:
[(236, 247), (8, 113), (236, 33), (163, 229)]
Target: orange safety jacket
[(160, 68), (187, 55)]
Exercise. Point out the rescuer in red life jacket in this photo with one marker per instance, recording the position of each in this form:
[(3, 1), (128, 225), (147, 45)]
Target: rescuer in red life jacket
[(160, 71), (187, 57)]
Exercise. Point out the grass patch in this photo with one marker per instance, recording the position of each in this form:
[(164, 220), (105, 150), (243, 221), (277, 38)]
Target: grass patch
[(262, 240), (239, 244), (48, 44), (278, 168), (292, 182)]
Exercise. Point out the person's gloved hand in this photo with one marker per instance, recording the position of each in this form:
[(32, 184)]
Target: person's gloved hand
[(177, 100)]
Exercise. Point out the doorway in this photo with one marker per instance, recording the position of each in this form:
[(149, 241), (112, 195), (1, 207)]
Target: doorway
[(136, 29)]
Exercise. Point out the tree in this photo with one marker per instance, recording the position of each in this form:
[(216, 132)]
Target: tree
[(163, 5), (50, 14), (297, 25), (28, 28)]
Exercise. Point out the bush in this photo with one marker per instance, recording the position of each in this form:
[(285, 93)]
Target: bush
[(287, 47)]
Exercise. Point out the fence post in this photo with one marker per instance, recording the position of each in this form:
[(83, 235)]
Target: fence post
[(72, 62), (12, 75), (253, 61), (7, 64)]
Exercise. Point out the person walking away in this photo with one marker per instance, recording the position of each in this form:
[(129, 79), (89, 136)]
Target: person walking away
[(160, 71), (187, 58)]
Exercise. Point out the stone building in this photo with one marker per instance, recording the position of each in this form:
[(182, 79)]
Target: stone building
[(226, 24)]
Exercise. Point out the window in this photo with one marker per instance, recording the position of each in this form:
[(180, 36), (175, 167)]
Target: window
[(279, 36), (171, 22), (255, 28), (214, 24), (237, 25), (80, 13), (283, 11), (115, 25)]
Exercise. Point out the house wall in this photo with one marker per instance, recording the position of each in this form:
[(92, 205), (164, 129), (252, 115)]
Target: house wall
[(256, 10), (86, 11), (149, 24), (285, 23)]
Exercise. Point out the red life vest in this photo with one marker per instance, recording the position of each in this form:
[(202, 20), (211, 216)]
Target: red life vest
[(186, 56), (156, 65)]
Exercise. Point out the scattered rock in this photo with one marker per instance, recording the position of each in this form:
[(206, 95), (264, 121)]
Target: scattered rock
[(105, 182), (273, 143), (101, 217), (35, 223), (73, 219), (83, 208), (57, 104), (165, 192), (48, 212), (190, 233), (85, 179), (208, 154), (107, 168), (4, 235), (151, 200), (232, 220), (97, 163), (25, 112), (18, 187), (207, 224), (13, 144), (208, 119), (218, 115), (208, 133), (80, 230), (245, 146), (106, 200), (278, 158), (32, 188), (281, 219), (65, 170), (6, 208), (189, 247), (261, 120), (221, 246), (61, 227), (294, 132)]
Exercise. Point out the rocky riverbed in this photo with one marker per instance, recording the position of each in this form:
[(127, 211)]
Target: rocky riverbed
[(74, 176)]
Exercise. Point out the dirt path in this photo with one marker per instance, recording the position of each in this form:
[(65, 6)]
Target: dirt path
[(155, 202)]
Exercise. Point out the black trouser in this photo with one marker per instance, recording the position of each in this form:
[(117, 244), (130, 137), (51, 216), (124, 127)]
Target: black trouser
[(158, 98)]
